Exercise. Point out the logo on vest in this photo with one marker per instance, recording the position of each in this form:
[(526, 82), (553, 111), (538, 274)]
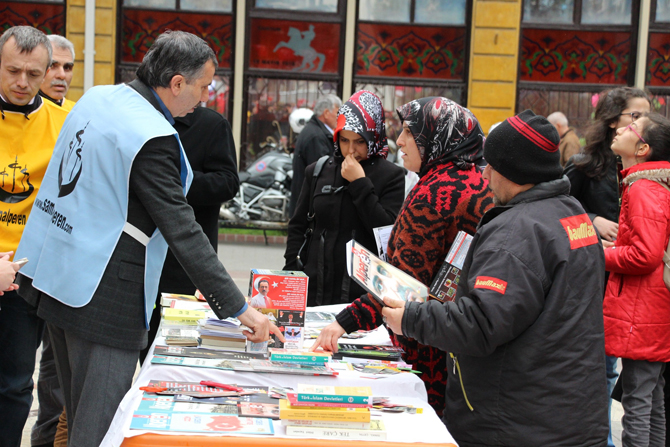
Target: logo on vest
[(70, 165), (21, 188), (488, 282), (580, 231)]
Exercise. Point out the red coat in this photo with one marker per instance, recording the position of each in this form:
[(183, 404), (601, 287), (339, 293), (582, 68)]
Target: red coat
[(637, 303)]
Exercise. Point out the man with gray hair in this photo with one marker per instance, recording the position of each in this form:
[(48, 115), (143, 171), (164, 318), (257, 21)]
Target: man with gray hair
[(569, 145), (315, 141), (57, 81), (29, 127), (112, 202)]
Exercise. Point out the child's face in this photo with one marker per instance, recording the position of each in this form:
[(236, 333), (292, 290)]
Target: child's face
[(628, 141)]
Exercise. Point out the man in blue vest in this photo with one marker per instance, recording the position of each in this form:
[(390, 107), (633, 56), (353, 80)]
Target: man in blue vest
[(111, 203)]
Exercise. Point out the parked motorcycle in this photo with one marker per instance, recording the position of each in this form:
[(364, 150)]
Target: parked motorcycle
[(265, 189)]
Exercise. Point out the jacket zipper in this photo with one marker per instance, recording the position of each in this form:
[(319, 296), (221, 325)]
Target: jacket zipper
[(457, 367)]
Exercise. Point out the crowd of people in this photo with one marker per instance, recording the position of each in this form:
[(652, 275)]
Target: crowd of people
[(565, 273)]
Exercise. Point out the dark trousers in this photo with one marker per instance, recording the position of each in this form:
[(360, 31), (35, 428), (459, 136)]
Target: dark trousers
[(20, 335), (94, 379), (49, 397), (642, 400)]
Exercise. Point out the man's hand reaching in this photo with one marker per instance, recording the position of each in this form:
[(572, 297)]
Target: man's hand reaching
[(260, 326)]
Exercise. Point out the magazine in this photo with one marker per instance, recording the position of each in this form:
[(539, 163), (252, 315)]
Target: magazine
[(446, 281), (180, 351), (380, 278), (201, 423)]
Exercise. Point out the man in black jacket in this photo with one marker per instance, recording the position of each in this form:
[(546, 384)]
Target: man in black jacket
[(525, 333), (315, 141), (208, 143)]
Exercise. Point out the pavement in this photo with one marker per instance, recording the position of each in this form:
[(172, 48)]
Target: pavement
[(239, 259)]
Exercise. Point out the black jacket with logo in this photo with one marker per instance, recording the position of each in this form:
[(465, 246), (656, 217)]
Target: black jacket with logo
[(526, 329)]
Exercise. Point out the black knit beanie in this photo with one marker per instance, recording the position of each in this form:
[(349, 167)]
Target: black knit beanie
[(524, 149)]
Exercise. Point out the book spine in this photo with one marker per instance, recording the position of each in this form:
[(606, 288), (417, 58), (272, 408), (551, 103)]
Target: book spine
[(303, 360), (324, 415), (176, 319), (334, 399), (335, 433), (326, 424), (293, 400)]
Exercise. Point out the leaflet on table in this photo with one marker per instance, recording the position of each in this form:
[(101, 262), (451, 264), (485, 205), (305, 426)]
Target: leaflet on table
[(180, 351), (254, 365), (382, 236), (380, 278), (282, 296), (201, 423), (446, 281)]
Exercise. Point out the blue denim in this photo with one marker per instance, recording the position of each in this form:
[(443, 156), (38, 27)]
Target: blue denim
[(612, 375), (20, 335)]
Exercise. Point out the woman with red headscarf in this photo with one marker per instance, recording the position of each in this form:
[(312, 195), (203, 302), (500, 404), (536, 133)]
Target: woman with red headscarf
[(356, 191), (443, 143)]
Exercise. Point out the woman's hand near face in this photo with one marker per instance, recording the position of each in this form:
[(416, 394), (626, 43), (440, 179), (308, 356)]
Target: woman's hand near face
[(352, 169)]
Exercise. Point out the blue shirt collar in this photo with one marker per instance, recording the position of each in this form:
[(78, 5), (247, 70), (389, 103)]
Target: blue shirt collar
[(166, 112)]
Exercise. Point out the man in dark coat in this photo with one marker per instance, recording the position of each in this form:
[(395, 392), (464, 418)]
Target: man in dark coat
[(525, 333), (208, 143), (315, 141)]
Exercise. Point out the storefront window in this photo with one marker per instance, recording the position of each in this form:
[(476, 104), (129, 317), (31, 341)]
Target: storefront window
[(440, 12), (663, 11), (548, 11), (270, 102), (606, 12), (299, 5), (385, 10), (157, 4), (207, 5)]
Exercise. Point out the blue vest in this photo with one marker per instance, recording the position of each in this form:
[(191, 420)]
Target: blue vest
[(82, 206)]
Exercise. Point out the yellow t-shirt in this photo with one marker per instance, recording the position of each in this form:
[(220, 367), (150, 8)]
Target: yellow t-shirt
[(67, 104), (26, 146)]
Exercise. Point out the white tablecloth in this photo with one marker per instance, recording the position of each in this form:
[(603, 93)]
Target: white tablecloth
[(403, 388)]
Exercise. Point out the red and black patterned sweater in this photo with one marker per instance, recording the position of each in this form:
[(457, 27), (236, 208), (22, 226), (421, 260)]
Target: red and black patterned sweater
[(444, 201)]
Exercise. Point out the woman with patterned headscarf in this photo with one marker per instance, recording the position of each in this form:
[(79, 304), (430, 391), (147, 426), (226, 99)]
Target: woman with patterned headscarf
[(356, 190), (443, 142)]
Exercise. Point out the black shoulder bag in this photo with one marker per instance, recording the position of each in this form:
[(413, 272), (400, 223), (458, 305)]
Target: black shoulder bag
[(304, 248)]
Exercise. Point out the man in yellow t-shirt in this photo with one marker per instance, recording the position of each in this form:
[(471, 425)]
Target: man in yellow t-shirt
[(29, 127), (57, 81)]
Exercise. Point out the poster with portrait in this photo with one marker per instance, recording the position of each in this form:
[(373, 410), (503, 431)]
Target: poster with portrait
[(282, 296)]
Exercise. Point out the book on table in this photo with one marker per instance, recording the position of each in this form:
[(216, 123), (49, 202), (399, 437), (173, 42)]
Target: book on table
[(378, 352), (359, 395), (380, 278), (444, 285), (288, 411), (301, 356), (201, 423), (328, 424), (183, 316), (375, 432), (293, 400)]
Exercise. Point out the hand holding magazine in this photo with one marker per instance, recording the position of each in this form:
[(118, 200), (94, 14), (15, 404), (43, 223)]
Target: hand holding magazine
[(380, 278)]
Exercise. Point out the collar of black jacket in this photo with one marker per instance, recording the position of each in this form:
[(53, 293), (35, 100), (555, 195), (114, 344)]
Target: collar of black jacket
[(541, 191), (144, 90)]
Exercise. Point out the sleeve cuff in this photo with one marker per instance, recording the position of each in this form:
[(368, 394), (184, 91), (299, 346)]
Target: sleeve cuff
[(241, 311), (346, 320), (407, 325)]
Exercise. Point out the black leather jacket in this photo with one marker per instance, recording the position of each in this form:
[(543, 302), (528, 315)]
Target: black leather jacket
[(598, 197)]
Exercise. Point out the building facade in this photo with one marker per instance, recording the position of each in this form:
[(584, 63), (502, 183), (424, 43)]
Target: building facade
[(497, 57)]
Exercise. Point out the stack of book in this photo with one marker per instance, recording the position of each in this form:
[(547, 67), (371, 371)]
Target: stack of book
[(332, 412), (225, 335)]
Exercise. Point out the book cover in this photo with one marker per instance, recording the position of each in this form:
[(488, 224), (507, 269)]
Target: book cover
[(269, 366), (328, 424), (229, 365), (282, 297), (376, 432), (380, 278), (201, 423), (302, 356), (184, 316), (287, 411), (167, 404), (335, 394), (445, 283), (369, 351)]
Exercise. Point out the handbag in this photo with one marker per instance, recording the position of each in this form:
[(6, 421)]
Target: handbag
[(304, 248)]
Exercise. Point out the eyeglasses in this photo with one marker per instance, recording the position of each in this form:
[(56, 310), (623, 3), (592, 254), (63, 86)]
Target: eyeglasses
[(630, 126), (633, 115)]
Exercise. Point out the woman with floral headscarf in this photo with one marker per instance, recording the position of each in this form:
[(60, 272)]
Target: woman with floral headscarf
[(443, 142), (356, 191)]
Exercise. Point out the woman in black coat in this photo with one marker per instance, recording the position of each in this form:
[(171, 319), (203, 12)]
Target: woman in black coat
[(356, 191)]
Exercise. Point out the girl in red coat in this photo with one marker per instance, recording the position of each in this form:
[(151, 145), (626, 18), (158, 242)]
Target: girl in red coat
[(637, 302), (443, 143)]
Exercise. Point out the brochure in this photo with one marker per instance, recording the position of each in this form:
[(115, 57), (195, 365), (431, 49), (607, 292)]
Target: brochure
[(201, 423), (446, 281)]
